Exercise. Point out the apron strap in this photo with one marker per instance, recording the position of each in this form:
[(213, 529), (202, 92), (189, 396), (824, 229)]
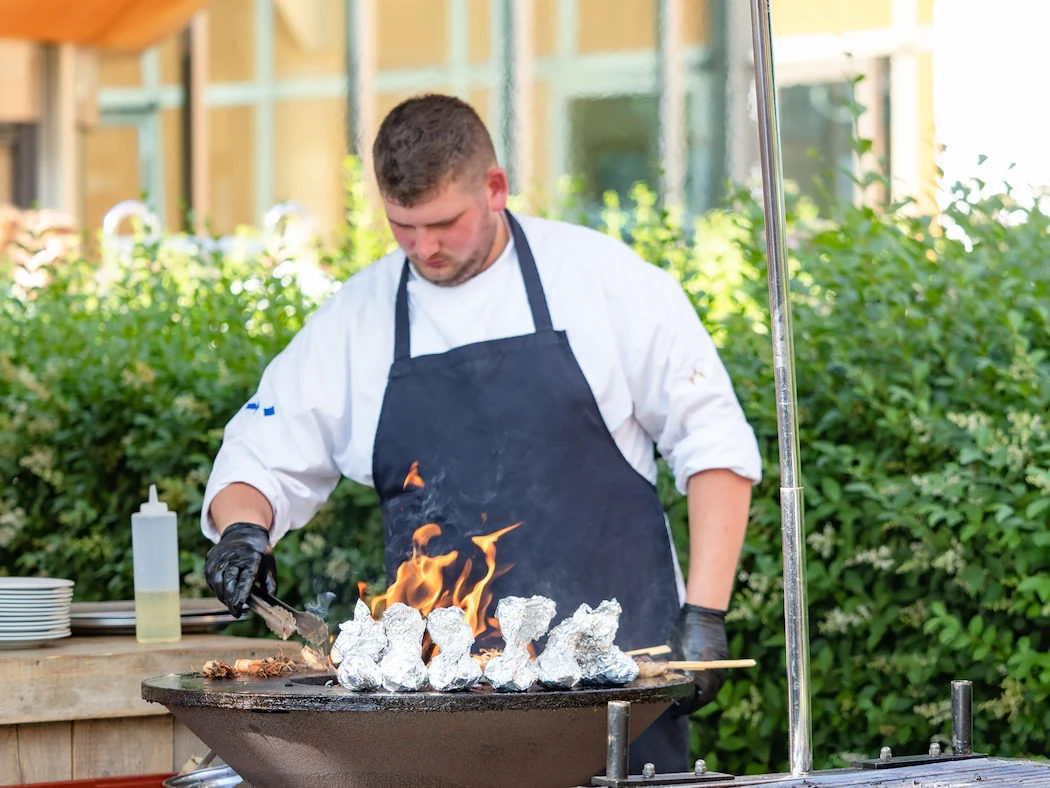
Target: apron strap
[(402, 337), (541, 316)]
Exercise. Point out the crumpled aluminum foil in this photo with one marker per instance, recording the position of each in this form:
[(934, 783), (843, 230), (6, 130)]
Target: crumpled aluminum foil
[(521, 621), (557, 665), (453, 668), (402, 666), (359, 674), (361, 643), (601, 661)]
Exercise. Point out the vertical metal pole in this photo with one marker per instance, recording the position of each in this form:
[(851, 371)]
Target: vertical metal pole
[(516, 93), (362, 54), (962, 718), (796, 614), (671, 83), (617, 759)]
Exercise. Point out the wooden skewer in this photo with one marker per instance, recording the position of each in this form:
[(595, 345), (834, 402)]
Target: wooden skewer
[(652, 651), (648, 668), (714, 664)]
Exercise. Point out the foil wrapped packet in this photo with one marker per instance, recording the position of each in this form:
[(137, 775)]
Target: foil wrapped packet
[(521, 621), (557, 666), (361, 643), (453, 668), (402, 666), (601, 662)]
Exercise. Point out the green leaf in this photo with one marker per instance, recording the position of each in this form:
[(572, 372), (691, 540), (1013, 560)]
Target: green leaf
[(831, 489), (1036, 508)]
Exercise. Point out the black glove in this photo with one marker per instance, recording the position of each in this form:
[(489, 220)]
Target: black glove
[(700, 634), (241, 559)]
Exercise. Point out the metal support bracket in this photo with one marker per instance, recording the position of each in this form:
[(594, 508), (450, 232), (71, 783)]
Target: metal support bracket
[(670, 778), (618, 757), (962, 737), (912, 760)]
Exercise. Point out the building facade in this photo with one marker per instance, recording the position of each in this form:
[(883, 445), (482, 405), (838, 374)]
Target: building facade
[(259, 101)]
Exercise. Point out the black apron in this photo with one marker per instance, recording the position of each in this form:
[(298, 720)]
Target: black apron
[(508, 431)]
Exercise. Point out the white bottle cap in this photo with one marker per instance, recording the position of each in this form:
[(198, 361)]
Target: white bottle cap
[(153, 505)]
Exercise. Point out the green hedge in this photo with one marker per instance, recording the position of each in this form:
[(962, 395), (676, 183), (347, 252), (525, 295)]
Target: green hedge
[(922, 380)]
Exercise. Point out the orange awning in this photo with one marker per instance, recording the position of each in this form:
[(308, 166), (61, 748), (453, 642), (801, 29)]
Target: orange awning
[(117, 24)]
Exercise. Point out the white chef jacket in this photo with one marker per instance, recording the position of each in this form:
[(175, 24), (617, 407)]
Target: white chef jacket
[(654, 371)]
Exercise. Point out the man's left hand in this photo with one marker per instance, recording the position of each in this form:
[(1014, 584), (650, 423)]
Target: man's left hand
[(700, 634)]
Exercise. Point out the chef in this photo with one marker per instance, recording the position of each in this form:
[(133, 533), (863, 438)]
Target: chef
[(524, 370)]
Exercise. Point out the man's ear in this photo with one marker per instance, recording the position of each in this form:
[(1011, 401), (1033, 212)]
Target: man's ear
[(497, 188)]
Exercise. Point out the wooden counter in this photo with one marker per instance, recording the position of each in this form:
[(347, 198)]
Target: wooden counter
[(74, 709)]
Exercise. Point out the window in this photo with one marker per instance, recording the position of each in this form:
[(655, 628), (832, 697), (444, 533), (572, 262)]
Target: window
[(816, 137), (614, 144)]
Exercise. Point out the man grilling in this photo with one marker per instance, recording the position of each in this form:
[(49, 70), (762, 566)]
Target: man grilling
[(529, 367)]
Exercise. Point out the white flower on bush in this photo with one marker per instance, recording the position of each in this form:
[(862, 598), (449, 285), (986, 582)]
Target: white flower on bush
[(747, 709), (936, 712), (313, 545), (879, 557), (838, 620), (11, 523), (1038, 478), (823, 542), (189, 405), (338, 568), (1010, 704), (951, 560), (920, 428)]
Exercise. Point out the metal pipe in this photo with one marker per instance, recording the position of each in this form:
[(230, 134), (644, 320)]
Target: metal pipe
[(796, 614), (962, 718), (617, 759)]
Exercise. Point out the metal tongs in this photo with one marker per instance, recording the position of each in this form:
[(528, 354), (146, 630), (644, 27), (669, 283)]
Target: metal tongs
[(284, 620)]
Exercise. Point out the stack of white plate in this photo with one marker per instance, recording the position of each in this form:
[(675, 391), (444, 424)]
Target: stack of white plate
[(33, 610)]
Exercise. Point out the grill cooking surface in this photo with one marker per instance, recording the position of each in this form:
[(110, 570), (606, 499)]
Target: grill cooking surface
[(308, 693)]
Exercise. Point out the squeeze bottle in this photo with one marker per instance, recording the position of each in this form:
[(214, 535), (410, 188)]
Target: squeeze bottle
[(155, 555)]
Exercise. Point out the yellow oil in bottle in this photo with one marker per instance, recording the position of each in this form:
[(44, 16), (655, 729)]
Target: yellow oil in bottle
[(157, 617)]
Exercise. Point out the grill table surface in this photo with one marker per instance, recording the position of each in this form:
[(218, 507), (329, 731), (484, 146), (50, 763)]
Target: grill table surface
[(972, 773)]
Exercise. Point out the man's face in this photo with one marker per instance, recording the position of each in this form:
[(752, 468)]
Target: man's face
[(448, 236)]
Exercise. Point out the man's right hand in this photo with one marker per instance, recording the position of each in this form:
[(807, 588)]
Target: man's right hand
[(241, 558)]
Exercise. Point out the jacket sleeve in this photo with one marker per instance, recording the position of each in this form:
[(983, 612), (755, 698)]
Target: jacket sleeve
[(681, 391), (282, 439)]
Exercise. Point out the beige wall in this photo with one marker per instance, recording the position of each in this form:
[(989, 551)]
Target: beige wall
[(540, 189), (478, 41), (412, 33), (6, 176), (120, 70), (310, 39), (111, 171), (926, 12), (231, 50), (800, 17), (927, 136), (544, 34), (231, 166), (616, 25), (21, 75), (309, 146)]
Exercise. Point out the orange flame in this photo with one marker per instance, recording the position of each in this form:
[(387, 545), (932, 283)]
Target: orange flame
[(420, 581), (413, 477)]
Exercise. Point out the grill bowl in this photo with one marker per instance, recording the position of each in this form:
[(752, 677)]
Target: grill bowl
[(279, 733)]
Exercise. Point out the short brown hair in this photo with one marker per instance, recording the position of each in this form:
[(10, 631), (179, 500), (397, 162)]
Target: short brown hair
[(426, 142)]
